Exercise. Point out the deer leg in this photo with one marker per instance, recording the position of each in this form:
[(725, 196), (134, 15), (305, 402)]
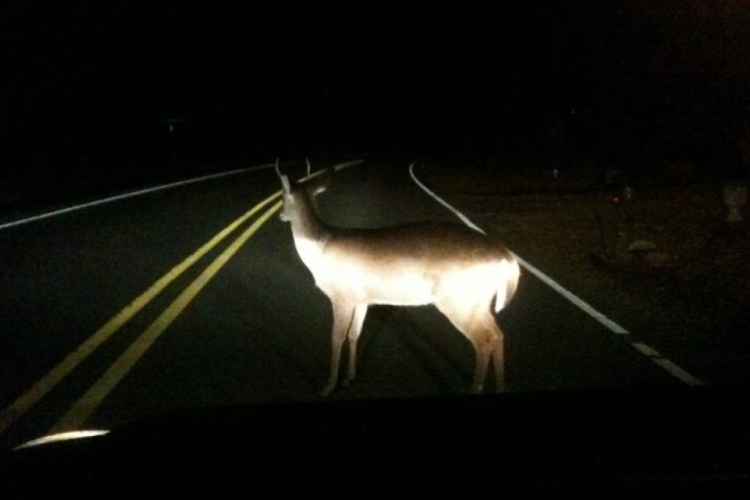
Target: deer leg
[(484, 346), (498, 359), (342, 319), (360, 311), (489, 344), (472, 321)]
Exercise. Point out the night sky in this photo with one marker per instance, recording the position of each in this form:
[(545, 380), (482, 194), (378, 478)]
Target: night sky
[(87, 82)]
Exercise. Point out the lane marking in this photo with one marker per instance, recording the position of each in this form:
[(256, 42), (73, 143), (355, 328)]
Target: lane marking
[(132, 194), (77, 414), (29, 398), (646, 350), (89, 402), (667, 364), (651, 353), (580, 303), (678, 371), (33, 395)]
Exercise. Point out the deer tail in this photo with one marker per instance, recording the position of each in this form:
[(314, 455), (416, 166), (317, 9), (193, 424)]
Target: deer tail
[(510, 272)]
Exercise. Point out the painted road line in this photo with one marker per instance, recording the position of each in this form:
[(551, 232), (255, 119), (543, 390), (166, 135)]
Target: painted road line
[(580, 303), (140, 192), (661, 361), (29, 398), (89, 402), (646, 350), (132, 194), (677, 371), (665, 363)]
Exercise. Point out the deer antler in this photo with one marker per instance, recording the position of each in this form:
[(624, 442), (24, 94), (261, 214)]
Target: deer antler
[(284, 179)]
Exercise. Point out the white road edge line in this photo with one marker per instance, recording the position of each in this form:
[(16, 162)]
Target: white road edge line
[(678, 371), (651, 353), (130, 195), (646, 350)]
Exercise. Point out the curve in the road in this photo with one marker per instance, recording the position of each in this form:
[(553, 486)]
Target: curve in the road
[(140, 192)]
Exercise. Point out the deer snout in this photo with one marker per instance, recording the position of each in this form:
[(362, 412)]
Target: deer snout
[(283, 217)]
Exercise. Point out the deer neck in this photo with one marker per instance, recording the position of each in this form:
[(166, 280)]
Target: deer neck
[(310, 234)]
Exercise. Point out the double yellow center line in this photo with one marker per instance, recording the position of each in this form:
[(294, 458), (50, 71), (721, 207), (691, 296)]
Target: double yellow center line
[(78, 413)]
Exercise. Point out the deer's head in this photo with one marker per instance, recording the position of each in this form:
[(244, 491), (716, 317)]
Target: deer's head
[(299, 197)]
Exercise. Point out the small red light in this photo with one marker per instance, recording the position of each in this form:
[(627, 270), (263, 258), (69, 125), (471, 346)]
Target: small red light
[(616, 199)]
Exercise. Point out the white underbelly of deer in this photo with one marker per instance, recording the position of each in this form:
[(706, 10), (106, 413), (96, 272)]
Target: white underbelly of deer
[(408, 286), (458, 270)]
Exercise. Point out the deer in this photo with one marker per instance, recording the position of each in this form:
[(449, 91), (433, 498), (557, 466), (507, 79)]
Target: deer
[(466, 275)]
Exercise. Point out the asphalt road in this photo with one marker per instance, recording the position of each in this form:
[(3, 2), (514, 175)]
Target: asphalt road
[(251, 328)]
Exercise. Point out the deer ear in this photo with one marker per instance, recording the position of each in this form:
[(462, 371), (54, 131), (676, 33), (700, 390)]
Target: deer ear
[(284, 179)]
